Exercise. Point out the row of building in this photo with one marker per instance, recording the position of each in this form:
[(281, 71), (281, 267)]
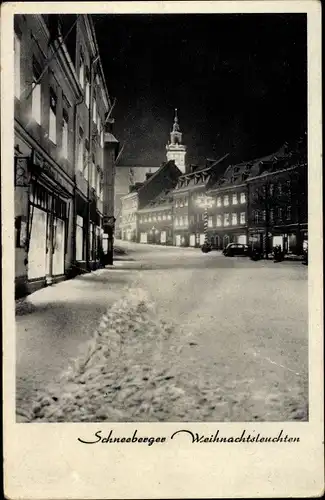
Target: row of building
[(262, 202), (64, 150)]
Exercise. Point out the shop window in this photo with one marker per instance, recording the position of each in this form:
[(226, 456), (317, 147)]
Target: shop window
[(234, 219), (65, 134), (242, 217), (52, 124), (79, 238), (17, 64)]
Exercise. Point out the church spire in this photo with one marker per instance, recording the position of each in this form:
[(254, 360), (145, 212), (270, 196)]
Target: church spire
[(176, 126), (175, 149)]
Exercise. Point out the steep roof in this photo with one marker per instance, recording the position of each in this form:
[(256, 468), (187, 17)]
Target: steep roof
[(240, 172)]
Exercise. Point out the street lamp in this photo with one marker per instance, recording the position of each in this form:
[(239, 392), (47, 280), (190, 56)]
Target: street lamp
[(205, 202)]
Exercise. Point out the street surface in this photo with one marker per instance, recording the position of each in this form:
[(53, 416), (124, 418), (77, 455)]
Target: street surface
[(167, 334)]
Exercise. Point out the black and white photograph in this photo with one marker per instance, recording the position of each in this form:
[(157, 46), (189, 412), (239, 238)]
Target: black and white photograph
[(161, 185)]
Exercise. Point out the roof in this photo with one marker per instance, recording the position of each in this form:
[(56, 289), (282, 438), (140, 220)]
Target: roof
[(240, 172), (164, 198), (201, 176)]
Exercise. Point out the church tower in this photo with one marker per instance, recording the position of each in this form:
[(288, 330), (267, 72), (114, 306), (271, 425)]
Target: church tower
[(175, 149)]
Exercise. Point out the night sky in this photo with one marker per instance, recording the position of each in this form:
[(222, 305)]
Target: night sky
[(239, 82)]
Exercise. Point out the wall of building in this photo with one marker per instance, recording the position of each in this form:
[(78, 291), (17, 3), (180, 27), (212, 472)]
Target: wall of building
[(50, 107)]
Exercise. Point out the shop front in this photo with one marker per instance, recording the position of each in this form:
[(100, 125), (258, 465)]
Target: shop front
[(48, 232)]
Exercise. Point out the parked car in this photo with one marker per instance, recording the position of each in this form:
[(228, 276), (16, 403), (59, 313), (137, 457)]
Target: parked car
[(235, 249)]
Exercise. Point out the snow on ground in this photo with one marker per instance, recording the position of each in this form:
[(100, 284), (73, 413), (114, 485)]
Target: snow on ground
[(185, 336)]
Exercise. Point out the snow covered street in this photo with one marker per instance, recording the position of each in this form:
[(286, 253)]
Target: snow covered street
[(170, 334)]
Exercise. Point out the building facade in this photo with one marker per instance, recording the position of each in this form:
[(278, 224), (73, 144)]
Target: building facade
[(278, 203), (228, 218), (155, 221), (141, 194), (58, 157), (188, 210)]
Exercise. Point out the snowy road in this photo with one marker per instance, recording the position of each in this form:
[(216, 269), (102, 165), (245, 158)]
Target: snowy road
[(240, 336)]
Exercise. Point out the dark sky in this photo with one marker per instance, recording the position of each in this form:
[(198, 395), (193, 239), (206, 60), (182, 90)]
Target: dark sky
[(239, 82)]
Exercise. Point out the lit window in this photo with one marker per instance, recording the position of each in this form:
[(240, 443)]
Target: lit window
[(17, 50), (288, 212), (256, 216), (65, 134), (80, 150), (210, 221), (94, 110), (242, 197), (234, 199), (234, 219), (85, 161), (219, 220), (87, 94), (186, 202), (98, 123), (226, 219), (185, 220), (98, 182), (242, 217), (93, 174), (164, 217), (36, 102), (181, 221), (102, 138), (219, 201), (52, 125), (169, 217), (226, 200), (82, 72)]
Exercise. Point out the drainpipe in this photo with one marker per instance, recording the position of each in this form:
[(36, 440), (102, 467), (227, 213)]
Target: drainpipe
[(92, 81)]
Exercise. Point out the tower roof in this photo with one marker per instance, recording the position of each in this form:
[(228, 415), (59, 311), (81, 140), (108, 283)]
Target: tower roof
[(176, 125)]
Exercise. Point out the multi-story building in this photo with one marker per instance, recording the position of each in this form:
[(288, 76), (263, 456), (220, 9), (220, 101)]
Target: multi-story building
[(155, 220), (228, 218), (126, 176), (141, 194), (61, 102), (278, 207), (188, 211)]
